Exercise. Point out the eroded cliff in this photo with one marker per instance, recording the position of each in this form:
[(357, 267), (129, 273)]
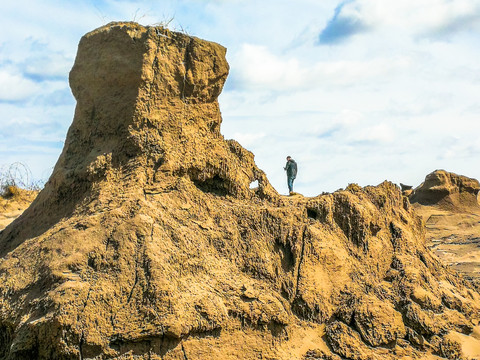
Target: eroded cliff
[(147, 241), (448, 203)]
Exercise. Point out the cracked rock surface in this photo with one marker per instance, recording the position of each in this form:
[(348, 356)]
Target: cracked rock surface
[(148, 243)]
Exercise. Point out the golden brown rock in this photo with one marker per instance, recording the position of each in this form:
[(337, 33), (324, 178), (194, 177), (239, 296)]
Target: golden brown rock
[(447, 189), (453, 221), (459, 346), (378, 322), (347, 343), (148, 243)]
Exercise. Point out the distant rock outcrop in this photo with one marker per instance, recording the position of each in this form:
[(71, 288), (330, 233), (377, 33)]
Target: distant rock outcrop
[(447, 189), (448, 203), (148, 243)]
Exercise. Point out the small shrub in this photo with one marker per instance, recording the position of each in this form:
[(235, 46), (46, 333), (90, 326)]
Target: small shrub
[(17, 176), (11, 191)]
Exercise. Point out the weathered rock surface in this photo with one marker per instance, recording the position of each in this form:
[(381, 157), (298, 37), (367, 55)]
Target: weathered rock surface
[(447, 189), (148, 243), (453, 221)]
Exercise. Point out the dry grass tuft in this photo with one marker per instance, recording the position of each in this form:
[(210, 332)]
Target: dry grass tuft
[(11, 191), (15, 177)]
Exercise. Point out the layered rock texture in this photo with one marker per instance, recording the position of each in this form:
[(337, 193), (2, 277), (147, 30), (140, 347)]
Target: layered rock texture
[(448, 203), (148, 243)]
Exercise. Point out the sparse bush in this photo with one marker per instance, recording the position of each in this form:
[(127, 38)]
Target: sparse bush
[(17, 176), (165, 22), (11, 191)]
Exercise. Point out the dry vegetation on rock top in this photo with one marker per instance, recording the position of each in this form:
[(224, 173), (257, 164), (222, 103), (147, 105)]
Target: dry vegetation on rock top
[(147, 242)]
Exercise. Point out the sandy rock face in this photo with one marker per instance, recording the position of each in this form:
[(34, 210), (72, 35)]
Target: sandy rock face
[(449, 188), (148, 243), (448, 203)]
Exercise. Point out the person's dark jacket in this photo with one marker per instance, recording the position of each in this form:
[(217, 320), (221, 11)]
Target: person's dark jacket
[(291, 168)]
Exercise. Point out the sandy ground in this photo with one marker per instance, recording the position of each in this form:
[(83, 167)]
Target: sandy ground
[(454, 237), (12, 206)]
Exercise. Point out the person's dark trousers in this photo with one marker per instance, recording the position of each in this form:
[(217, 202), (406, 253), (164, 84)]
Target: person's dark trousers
[(290, 183)]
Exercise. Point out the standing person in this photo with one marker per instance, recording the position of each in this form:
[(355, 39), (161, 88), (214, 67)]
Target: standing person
[(291, 169)]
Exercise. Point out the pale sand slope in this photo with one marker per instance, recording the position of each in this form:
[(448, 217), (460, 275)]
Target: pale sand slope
[(13, 204), (448, 204), (454, 237)]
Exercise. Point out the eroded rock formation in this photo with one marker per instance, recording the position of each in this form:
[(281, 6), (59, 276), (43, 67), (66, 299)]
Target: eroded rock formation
[(447, 189), (448, 203), (148, 243)]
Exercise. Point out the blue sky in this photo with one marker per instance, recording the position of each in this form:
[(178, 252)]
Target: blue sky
[(356, 91)]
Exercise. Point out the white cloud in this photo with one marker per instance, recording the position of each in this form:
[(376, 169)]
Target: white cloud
[(382, 133), (421, 18), (261, 68), (257, 67), (14, 87), (247, 139), (349, 117), (47, 65)]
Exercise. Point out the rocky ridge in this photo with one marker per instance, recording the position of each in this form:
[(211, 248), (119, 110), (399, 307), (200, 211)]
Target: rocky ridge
[(148, 243)]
